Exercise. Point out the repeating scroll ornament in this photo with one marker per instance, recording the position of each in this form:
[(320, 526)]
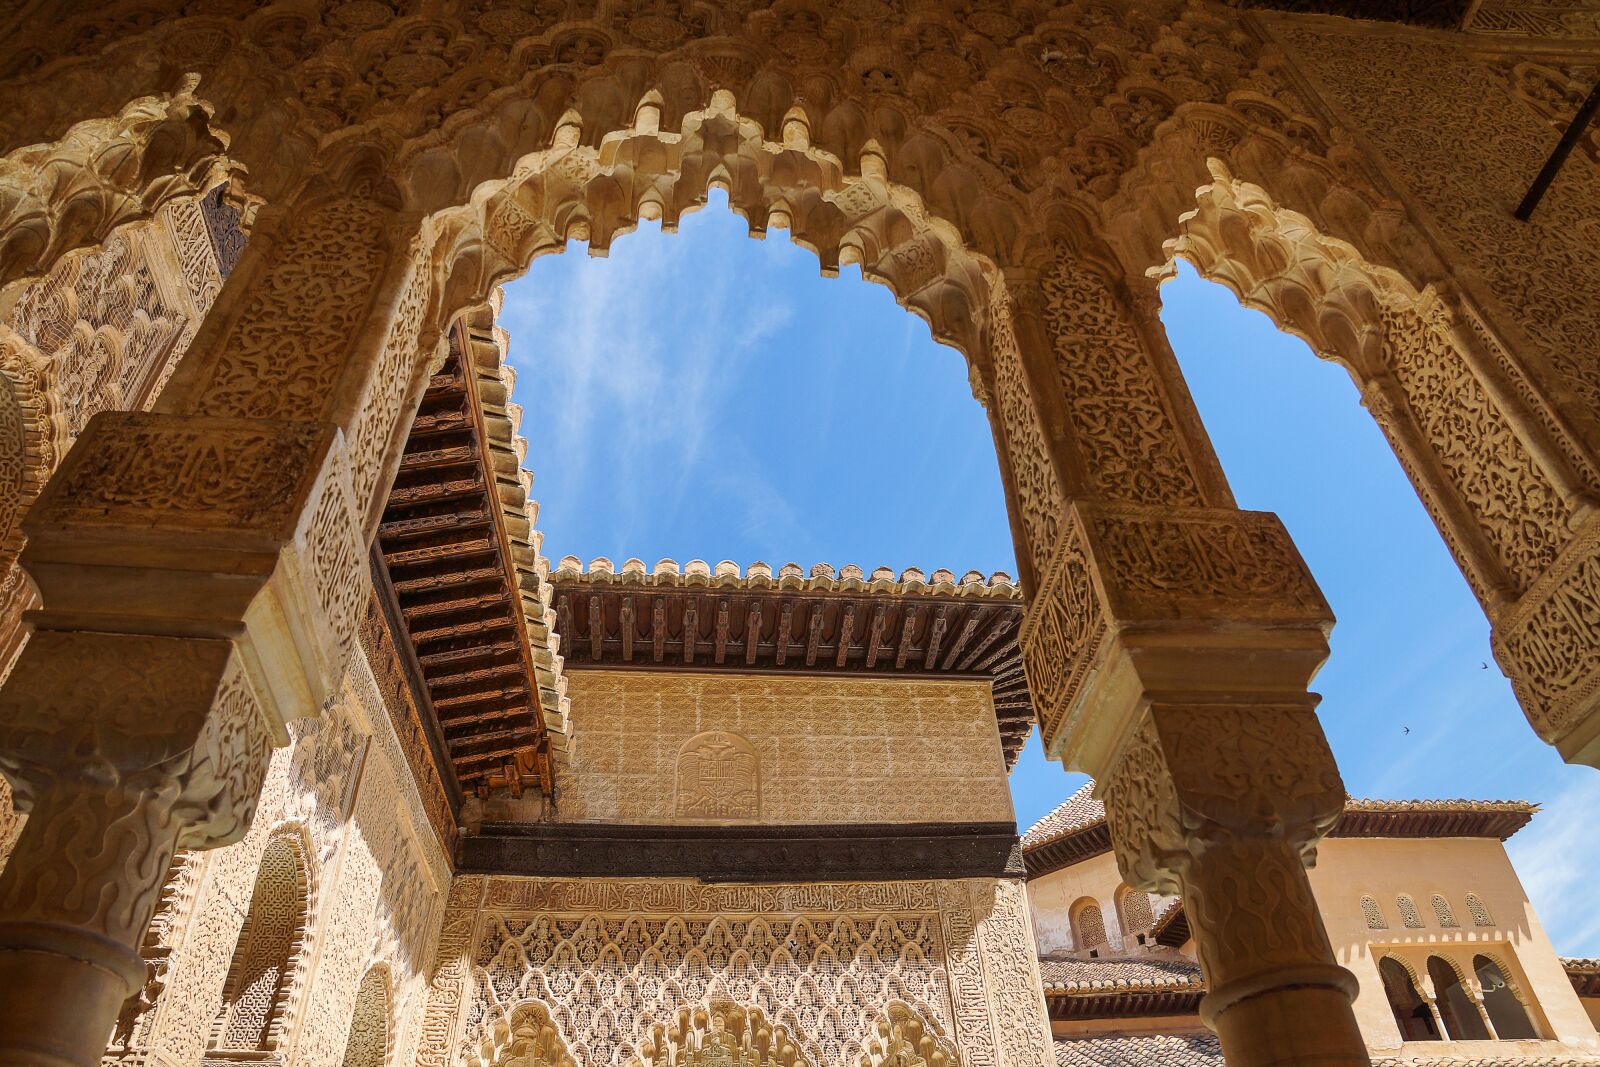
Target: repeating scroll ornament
[(1038, 493), (720, 1034), (1132, 447), (286, 349), (398, 365)]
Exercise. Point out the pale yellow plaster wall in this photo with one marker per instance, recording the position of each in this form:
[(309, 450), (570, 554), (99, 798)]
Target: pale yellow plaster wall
[(1052, 896), (829, 750), (1591, 1005), (1347, 868)]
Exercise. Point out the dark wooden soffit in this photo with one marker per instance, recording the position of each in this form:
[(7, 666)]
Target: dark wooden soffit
[(1172, 928), (640, 622), (1122, 1003), (1437, 14), (855, 852), (457, 589), (1584, 974)]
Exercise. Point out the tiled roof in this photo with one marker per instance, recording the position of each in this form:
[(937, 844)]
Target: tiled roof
[(823, 578), (1203, 1050), (1078, 811), (1140, 1050), (1128, 973), (1076, 829), (1584, 974)]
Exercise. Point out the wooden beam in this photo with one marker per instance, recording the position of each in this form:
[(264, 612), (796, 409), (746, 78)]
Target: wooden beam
[(722, 630), (691, 628), (875, 635), (847, 623), (625, 625), (967, 629), (814, 638), (752, 632), (941, 619), (785, 625), (597, 628), (908, 633), (658, 629)]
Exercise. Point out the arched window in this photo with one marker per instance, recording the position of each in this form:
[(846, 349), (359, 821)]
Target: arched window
[(1133, 905), (1478, 911), (1506, 1013), (1408, 912), (256, 991), (1088, 926), (1411, 1013), (368, 1043), (1374, 914), (1460, 1014), (1442, 912)]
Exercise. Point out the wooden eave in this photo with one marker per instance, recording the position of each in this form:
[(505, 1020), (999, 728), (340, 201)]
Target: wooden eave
[(1122, 1003), (452, 569), (617, 622), (1434, 14)]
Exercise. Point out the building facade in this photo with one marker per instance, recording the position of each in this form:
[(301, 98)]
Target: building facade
[(1421, 904)]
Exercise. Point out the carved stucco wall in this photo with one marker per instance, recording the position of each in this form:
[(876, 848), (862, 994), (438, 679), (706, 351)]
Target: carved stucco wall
[(378, 879), (103, 331), (828, 750), (607, 960), (1464, 152)]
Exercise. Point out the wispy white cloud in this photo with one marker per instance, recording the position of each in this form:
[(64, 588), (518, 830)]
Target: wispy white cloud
[(1556, 857)]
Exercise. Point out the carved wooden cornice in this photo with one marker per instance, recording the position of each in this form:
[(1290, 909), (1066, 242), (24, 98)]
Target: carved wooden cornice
[(766, 854), (704, 619), (459, 550)]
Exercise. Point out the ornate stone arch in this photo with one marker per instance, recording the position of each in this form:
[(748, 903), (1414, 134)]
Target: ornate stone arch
[(370, 1040), (267, 974), (1506, 481)]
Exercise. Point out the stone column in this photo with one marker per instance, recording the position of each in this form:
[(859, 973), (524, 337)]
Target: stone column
[(202, 572), (1169, 641)]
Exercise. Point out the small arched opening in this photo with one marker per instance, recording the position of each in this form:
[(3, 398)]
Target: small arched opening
[(1461, 1019), (1412, 1014), (1507, 1014), (1088, 927)]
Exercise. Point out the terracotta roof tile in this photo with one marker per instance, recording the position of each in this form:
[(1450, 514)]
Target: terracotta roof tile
[(822, 578), (1203, 1050), (1140, 1050), (1079, 810), (1150, 973)]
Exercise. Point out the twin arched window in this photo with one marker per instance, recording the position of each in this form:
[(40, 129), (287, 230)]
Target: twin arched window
[(1453, 1013), (264, 959)]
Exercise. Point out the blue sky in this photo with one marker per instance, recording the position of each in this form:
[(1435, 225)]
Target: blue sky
[(703, 395)]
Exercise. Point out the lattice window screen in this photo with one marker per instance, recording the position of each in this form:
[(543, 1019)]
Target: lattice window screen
[(1136, 914), (1442, 912), (1091, 927), (263, 960), (1408, 912), (1374, 914), (1480, 913)]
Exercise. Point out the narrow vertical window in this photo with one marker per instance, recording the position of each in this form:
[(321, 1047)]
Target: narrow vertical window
[(1442, 912), (1506, 1012), (1411, 1013), (1088, 926), (368, 1042), (1409, 916), (1478, 911), (1374, 914), (1134, 907), (1460, 1014)]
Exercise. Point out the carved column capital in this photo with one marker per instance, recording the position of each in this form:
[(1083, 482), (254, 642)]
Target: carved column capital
[(213, 528), (1139, 601)]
